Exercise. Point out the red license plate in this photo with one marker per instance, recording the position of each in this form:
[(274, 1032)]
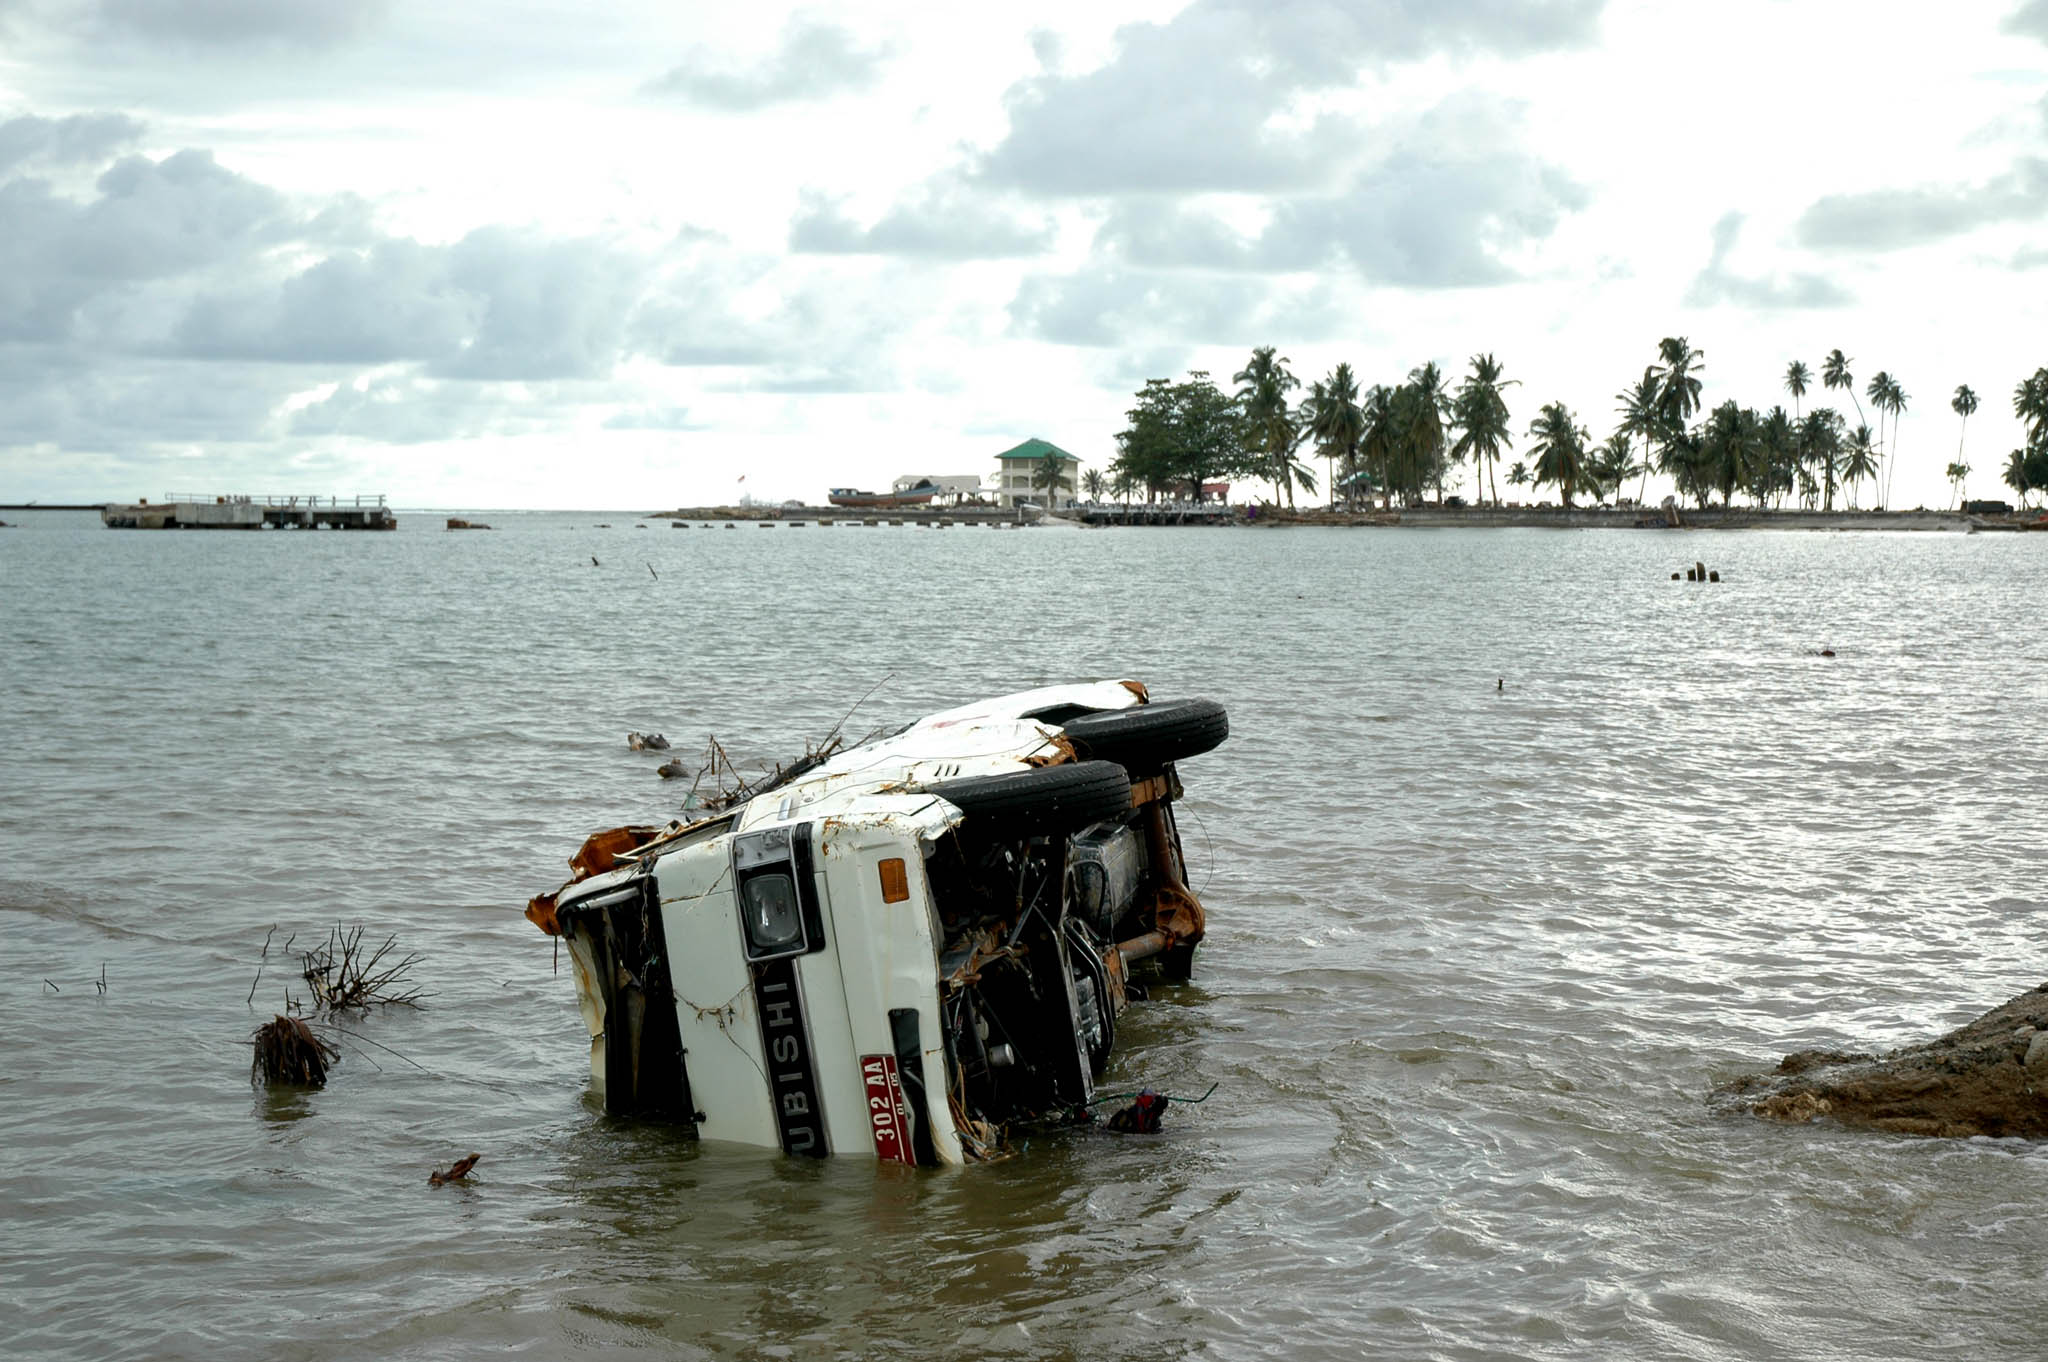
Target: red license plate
[(888, 1120)]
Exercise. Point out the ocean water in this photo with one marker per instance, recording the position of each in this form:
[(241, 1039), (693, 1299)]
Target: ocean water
[(1517, 848)]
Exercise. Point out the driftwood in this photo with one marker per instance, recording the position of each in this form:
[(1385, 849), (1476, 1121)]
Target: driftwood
[(346, 979), (458, 1173), (288, 1052)]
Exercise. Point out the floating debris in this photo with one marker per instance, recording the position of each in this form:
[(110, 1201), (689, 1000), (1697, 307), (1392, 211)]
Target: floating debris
[(288, 1052), (344, 979), (646, 742), (459, 1172), (1142, 1116), (455, 524)]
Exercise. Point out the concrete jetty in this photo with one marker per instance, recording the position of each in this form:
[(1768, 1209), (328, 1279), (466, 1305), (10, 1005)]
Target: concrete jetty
[(187, 511)]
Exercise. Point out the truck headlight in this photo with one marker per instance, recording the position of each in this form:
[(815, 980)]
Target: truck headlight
[(776, 885), (775, 922)]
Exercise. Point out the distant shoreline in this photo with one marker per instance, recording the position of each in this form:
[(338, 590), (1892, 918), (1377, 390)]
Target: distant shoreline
[(1646, 517)]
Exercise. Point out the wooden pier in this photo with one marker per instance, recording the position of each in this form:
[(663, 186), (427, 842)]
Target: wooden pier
[(186, 511), (825, 517)]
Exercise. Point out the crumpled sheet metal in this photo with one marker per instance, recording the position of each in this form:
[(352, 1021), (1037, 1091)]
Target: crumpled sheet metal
[(600, 852)]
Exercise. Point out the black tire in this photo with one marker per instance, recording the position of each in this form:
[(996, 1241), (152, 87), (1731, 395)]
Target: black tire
[(1147, 737), (1046, 799)]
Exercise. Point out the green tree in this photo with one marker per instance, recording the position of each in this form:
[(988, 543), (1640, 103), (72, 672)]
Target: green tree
[(1560, 451), (1479, 413), (1963, 404), (1820, 447), (1612, 464), (1678, 384), (1889, 398), (1731, 449), (1092, 483), (2030, 404), (1270, 428), (1420, 406), (1682, 457), (1780, 462), (2016, 475), (1051, 476), (1183, 433), (1797, 378), (1834, 372), (1519, 475), (1642, 418), (1380, 440), (1337, 422), (1859, 461)]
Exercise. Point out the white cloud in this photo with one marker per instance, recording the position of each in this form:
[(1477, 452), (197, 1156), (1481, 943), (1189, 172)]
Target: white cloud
[(1717, 284), (812, 61), (437, 248), (1892, 219)]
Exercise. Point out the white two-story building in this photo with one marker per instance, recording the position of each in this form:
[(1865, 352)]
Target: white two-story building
[(1018, 465)]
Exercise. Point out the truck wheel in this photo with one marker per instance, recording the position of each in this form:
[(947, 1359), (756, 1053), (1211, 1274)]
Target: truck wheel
[(1147, 737), (1063, 798)]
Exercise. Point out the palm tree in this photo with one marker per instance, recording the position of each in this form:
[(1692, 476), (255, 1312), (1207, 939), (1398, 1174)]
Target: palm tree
[(1262, 386), (1678, 388), (1859, 462), (1957, 471), (1834, 372), (2016, 475), (1820, 444), (1780, 455), (1379, 442), (2030, 404), (1334, 418), (1963, 404), (1612, 464), (1420, 451), (1481, 416), (1639, 417), (1797, 376), (1886, 395), (1092, 483), (1731, 450), (1560, 451), (1518, 475), (1050, 474)]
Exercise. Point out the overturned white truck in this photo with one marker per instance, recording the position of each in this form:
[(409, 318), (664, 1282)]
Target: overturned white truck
[(905, 950)]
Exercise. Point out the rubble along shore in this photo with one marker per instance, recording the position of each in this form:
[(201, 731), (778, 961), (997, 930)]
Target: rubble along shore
[(1989, 1077)]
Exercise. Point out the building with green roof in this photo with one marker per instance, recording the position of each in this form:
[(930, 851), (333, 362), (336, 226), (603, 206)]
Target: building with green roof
[(1016, 466)]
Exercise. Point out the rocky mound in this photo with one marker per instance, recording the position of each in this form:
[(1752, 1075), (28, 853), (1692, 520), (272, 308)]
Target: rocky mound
[(1987, 1078)]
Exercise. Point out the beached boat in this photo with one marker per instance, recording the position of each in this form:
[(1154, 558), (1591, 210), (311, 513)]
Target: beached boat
[(901, 950), (851, 496)]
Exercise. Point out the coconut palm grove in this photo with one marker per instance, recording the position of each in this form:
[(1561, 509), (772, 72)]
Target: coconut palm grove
[(1404, 443)]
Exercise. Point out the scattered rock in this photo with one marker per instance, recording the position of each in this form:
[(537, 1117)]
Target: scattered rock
[(1986, 1078), (1794, 1108), (455, 524)]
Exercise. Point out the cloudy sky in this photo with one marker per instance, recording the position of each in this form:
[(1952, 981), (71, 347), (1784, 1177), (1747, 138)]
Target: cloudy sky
[(541, 253)]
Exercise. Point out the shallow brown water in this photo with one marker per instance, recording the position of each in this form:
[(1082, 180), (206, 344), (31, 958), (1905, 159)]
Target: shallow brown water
[(1477, 955)]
